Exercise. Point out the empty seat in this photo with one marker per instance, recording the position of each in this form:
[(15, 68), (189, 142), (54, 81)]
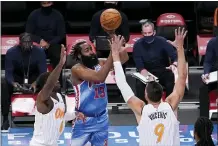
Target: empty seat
[(204, 16), (136, 11), (79, 16), (14, 16)]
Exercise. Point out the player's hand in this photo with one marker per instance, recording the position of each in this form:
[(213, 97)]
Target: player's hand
[(63, 55), (205, 77), (117, 43), (180, 35), (80, 116)]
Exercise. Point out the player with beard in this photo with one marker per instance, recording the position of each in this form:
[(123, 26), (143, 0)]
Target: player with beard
[(91, 93)]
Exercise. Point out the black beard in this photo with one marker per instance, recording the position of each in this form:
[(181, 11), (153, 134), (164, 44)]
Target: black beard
[(90, 61)]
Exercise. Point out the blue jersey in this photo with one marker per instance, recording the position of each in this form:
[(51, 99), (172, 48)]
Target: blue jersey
[(91, 100)]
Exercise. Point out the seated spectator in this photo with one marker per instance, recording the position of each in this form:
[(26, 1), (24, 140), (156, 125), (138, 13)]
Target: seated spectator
[(97, 30), (210, 65), (154, 54), (23, 64), (47, 27)]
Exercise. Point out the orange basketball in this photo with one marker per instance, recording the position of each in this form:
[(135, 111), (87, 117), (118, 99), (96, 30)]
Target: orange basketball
[(110, 19)]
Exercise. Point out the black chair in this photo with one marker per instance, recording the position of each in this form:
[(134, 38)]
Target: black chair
[(135, 11), (14, 16), (78, 16), (204, 16)]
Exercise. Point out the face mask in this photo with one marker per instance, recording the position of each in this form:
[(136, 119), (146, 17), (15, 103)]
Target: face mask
[(110, 5), (47, 10), (90, 61), (149, 39)]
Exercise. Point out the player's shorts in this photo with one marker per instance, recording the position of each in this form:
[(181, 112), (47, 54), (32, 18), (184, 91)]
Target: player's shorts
[(99, 138)]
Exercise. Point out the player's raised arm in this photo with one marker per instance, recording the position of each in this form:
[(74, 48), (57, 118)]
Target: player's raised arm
[(133, 102), (178, 92), (44, 94)]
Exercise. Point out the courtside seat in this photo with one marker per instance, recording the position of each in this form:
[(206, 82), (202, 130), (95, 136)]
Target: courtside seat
[(215, 26), (14, 16), (167, 23), (204, 16), (78, 16), (136, 11)]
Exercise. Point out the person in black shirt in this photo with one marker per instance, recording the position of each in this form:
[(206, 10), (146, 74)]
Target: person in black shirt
[(210, 65), (47, 27), (155, 55), (97, 30), (23, 64)]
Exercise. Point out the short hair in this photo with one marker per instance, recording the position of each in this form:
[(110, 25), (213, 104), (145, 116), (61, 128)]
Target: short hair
[(24, 36), (41, 81), (146, 22), (76, 50), (154, 91), (203, 128)]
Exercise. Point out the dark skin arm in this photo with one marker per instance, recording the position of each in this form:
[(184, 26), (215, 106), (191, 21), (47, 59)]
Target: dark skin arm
[(44, 102)]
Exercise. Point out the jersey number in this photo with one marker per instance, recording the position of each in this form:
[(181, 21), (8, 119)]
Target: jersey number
[(99, 92), (158, 131)]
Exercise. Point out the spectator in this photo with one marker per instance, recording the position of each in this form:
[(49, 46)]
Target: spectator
[(23, 64), (210, 65), (151, 54), (97, 30), (47, 27)]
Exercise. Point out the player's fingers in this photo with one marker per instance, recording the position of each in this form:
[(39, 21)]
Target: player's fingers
[(184, 35), (176, 33), (179, 31)]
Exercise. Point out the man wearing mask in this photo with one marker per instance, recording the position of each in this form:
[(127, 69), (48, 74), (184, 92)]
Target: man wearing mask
[(210, 65), (23, 64), (97, 30), (47, 27), (156, 55)]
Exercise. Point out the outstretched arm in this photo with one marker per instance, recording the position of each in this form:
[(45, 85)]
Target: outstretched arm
[(44, 94), (178, 92), (133, 102)]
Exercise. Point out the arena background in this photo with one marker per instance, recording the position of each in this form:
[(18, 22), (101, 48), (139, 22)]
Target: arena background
[(198, 18)]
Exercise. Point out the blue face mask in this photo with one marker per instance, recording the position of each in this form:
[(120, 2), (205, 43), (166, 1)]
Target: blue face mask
[(149, 39)]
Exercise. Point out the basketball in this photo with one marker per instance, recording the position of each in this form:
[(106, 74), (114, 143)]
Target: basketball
[(110, 19)]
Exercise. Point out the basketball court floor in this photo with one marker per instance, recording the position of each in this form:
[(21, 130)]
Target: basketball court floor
[(122, 131)]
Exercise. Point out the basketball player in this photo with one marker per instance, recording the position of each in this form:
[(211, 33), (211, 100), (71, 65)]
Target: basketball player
[(91, 94), (50, 107), (202, 132), (157, 124)]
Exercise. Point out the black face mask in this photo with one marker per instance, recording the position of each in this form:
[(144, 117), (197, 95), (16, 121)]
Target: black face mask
[(110, 5), (90, 61), (149, 39), (47, 10)]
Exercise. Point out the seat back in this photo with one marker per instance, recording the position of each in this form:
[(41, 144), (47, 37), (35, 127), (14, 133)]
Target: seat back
[(167, 23), (79, 15), (136, 11), (205, 15), (14, 16)]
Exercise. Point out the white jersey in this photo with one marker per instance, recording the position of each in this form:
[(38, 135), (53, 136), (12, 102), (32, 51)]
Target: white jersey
[(48, 127), (158, 126)]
